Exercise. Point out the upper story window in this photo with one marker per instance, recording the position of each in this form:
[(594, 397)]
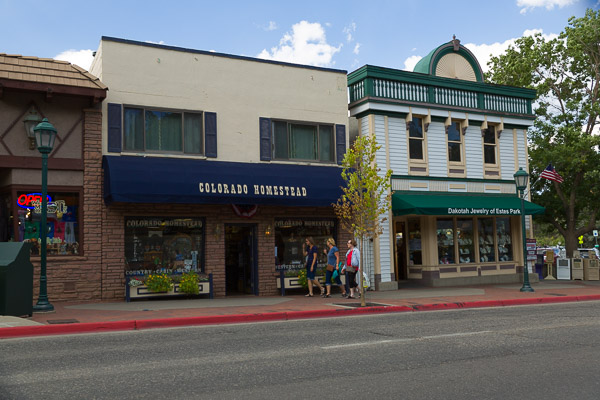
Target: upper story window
[(455, 144), (162, 131), (303, 142), (416, 139), (490, 146)]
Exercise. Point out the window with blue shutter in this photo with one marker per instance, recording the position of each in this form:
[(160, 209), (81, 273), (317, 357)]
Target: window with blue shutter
[(210, 134), (265, 139), (114, 122), (340, 143)]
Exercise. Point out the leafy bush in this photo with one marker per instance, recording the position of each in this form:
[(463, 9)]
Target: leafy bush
[(159, 283), (189, 283)]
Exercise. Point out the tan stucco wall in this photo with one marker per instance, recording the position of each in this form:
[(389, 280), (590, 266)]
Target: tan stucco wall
[(240, 91)]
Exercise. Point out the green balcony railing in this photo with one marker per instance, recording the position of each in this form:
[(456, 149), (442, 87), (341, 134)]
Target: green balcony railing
[(406, 87)]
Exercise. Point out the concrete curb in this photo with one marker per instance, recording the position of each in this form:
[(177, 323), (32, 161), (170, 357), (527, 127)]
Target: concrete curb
[(111, 326)]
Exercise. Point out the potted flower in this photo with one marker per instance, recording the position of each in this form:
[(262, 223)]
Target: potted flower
[(157, 283)]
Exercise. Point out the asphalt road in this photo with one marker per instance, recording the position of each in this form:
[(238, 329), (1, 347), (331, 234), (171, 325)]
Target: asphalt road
[(531, 352)]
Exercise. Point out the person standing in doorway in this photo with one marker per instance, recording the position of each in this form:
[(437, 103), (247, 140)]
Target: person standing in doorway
[(333, 263), (352, 266), (310, 252)]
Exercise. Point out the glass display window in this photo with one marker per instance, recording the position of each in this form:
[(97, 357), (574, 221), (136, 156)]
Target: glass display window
[(290, 236), (156, 244), (503, 238), (485, 229), (62, 222), (445, 240), (466, 245), (415, 255)]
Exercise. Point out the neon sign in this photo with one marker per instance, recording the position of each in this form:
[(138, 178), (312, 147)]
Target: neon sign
[(28, 200)]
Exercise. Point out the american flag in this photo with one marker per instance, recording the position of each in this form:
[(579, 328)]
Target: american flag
[(550, 174)]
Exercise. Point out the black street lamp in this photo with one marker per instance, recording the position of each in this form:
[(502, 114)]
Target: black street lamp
[(521, 178), (45, 133)]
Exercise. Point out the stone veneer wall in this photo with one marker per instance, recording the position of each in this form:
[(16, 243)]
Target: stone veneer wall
[(79, 277), (113, 226)]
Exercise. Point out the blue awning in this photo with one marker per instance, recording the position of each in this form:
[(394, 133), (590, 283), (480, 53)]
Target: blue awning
[(131, 179)]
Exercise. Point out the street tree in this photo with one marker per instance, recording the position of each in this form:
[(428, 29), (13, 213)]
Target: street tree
[(366, 199), (565, 72)]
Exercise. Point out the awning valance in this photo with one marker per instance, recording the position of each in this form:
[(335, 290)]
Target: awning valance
[(132, 179), (460, 204)]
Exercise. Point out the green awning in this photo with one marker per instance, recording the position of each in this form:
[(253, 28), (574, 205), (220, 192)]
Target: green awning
[(460, 204)]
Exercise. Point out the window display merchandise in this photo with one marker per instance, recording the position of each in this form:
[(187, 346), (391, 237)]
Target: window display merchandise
[(154, 244)]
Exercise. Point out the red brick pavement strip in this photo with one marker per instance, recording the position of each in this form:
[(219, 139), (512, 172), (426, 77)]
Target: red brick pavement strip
[(139, 324)]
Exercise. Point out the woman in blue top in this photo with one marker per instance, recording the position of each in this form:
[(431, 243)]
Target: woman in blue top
[(310, 252), (333, 263)]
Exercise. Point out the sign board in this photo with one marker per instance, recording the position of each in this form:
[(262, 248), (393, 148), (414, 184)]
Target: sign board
[(531, 250)]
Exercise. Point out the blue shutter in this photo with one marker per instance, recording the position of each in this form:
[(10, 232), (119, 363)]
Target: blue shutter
[(114, 127), (340, 143), (265, 139), (210, 134)]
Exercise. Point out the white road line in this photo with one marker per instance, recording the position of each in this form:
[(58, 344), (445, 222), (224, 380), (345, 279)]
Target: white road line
[(458, 334)]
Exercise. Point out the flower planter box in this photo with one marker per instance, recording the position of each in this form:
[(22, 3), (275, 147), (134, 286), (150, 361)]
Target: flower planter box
[(142, 292), (292, 282)]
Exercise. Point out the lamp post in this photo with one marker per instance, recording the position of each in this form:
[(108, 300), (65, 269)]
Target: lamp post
[(45, 134), (521, 183)]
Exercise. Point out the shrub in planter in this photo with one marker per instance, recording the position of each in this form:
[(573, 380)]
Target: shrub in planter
[(159, 283), (189, 283)]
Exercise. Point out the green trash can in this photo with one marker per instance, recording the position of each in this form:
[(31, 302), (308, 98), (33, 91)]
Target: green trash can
[(16, 279)]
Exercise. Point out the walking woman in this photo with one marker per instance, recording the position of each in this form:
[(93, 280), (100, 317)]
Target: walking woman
[(352, 266), (310, 252), (333, 263)]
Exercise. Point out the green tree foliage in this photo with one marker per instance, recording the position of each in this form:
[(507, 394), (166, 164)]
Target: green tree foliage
[(565, 72), (366, 198)]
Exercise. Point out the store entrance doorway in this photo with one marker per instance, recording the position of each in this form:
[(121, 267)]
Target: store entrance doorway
[(241, 261), (400, 247)]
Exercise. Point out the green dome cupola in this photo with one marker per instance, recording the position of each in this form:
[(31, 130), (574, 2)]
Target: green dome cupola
[(451, 60)]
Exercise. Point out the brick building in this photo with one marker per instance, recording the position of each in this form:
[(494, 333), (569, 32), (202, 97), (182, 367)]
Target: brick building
[(70, 97)]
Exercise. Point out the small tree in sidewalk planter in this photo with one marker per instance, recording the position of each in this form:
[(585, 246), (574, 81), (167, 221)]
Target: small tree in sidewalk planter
[(366, 199)]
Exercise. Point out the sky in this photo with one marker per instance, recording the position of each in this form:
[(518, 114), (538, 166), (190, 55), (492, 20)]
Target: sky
[(343, 35)]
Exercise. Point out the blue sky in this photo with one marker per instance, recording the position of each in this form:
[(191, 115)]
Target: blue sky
[(337, 34)]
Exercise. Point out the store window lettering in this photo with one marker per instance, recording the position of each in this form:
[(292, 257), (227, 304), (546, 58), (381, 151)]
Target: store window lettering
[(62, 229), (27, 200), (257, 190)]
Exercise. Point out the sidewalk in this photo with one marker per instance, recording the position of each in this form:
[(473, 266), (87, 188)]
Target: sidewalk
[(144, 314)]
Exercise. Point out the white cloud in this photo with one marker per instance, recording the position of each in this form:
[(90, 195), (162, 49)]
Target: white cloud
[(356, 49), (529, 5), (349, 31), (82, 58), (410, 62), (306, 44)]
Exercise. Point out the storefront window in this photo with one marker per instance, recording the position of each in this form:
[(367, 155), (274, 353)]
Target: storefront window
[(505, 248), (62, 235), (164, 244), (290, 235), (445, 241), (466, 248), (414, 242), (487, 252)]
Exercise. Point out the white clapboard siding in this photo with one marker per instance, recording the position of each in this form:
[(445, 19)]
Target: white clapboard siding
[(507, 154), (381, 160), (521, 149), (397, 146), (436, 150), (474, 153)]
